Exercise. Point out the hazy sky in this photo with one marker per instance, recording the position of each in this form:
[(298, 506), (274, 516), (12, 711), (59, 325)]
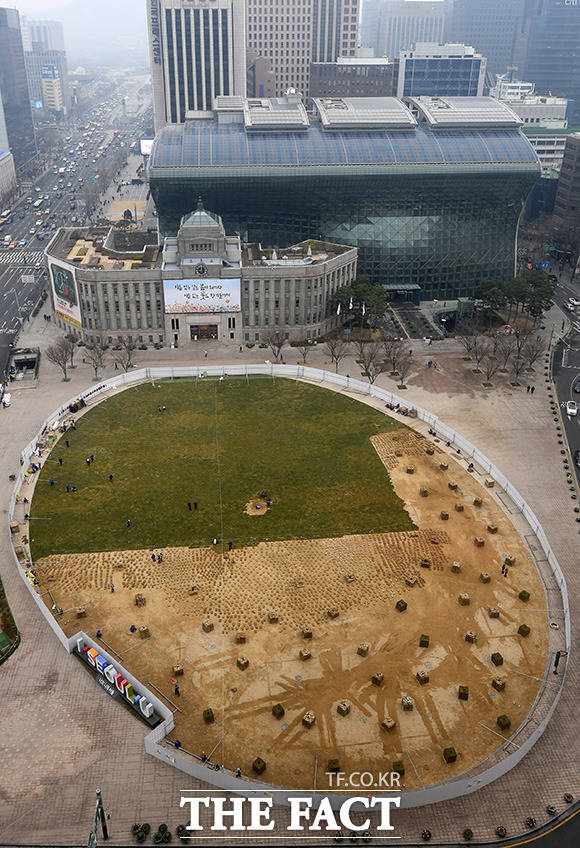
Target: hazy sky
[(94, 30)]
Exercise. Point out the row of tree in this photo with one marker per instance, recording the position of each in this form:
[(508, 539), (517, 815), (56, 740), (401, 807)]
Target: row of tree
[(531, 292), (62, 353), (520, 349)]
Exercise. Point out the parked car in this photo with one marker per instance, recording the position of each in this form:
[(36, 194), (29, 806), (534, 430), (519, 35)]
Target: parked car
[(572, 407)]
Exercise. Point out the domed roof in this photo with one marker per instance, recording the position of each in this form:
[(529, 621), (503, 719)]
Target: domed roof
[(201, 218)]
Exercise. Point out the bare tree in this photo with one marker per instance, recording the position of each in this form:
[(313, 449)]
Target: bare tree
[(275, 341), (95, 352), (393, 350), (521, 338), (517, 367), (478, 350), (337, 349), (532, 351), (404, 367), (70, 337), (304, 347), (59, 354), (124, 356), (360, 345), (372, 360), (494, 343), (465, 335), (340, 353), (490, 363), (505, 349)]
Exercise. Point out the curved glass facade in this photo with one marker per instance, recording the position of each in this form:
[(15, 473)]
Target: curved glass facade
[(436, 208)]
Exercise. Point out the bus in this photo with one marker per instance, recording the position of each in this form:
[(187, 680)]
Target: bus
[(38, 203)]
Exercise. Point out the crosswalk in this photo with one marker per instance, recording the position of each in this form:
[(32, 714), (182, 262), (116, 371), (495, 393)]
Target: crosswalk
[(21, 257)]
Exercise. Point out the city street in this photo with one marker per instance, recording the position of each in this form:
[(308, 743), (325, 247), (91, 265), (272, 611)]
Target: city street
[(566, 371), (29, 229)]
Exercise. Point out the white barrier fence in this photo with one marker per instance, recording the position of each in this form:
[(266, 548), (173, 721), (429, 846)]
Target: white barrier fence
[(225, 779)]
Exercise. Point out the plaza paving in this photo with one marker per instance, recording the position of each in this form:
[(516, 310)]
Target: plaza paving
[(61, 736)]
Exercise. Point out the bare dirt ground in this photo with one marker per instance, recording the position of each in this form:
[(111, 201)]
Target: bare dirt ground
[(302, 584)]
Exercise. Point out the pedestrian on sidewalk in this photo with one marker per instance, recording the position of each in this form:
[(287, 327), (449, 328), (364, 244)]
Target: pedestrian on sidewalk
[(110, 478), (195, 504), (528, 389), (128, 523), (112, 587), (60, 460), (176, 690), (533, 389), (189, 505), (230, 543)]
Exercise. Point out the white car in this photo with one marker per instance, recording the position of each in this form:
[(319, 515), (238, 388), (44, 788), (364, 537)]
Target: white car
[(572, 407), (573, 301)]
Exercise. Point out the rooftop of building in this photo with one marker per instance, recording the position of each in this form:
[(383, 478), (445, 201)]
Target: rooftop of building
[(535, 99), (310, 252), (379, 131), (105, 248), (358, 60), (465, 112), (437, 50), (337, 113)]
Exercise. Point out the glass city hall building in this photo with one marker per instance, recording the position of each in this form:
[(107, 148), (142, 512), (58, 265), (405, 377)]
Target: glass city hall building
[(429, 190)]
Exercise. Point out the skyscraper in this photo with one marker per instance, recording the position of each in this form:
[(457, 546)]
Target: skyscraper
[(389, 26), (553, 55), (14, 89), (301, 32), (49, 34), (7, 172), (198, 52), (45, 59), (494, 27)]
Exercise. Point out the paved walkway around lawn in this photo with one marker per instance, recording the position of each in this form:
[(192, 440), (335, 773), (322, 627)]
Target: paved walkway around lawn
[(61, 736)]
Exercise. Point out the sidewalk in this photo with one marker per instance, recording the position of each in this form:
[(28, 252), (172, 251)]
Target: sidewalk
[(60, 737)]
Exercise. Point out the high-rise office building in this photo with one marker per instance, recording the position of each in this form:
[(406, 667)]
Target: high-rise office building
[(7, 172), (444, 70), (567, 205), (45, 59), (553, 51), (48, 34), (496, 28), (301, 32), (353, 77), (198, 52), (261, 81), (14, 89), (389, 26)]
